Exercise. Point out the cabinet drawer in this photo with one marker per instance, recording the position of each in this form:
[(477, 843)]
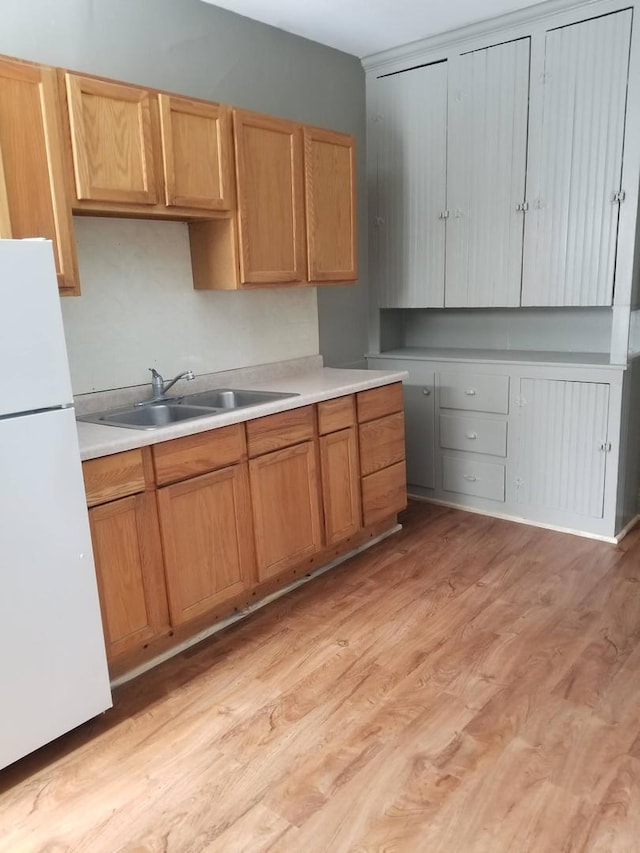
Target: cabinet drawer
[(469, 477), (475, 434), (197, 454), (384, 493), (115, 476), (475, 392), (378, 402), (281, 430), (334, 415), (381, 443)]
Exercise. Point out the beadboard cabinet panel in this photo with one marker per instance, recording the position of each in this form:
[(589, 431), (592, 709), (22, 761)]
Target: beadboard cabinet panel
[(487, 154), (410, 127), (572, 224), (562, 450)]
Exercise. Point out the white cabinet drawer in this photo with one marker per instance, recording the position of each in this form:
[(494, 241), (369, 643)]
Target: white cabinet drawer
[(469, 477), (475, 434), (476, 392)]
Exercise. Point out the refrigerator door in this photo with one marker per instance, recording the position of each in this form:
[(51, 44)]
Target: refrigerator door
[(33, 355), (53, 671)]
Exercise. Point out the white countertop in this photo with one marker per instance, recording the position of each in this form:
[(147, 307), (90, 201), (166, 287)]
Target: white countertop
[(312, 386)]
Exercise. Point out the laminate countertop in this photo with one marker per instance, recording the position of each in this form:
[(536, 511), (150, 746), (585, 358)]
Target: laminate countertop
[(313, 386)]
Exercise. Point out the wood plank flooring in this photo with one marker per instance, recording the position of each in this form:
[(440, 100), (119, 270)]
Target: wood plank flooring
[(467, 685)]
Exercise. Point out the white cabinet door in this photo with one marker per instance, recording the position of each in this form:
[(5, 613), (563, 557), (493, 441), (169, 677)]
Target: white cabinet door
[(419, 420), (562, 448), (575, 164), (410, 138), (487, 156)]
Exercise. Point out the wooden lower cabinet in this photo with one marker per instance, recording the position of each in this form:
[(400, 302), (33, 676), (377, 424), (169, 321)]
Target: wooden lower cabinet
[(128, 559), (205, 524), (286, 508), (340, 484)]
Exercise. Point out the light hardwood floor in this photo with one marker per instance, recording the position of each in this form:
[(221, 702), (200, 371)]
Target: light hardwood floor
[(467, 685)]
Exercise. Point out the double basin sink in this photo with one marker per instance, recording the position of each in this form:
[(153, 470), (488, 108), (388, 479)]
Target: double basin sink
[(155, 414)]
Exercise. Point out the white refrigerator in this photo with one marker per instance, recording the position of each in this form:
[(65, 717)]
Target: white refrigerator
[(53, 670)]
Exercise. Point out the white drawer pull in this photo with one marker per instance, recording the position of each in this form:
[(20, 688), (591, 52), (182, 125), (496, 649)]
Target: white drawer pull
[(426, 392), (471, 478), (472, 436), (470, 392)]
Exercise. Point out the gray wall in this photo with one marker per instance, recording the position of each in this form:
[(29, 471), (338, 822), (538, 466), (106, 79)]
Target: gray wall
[(192, 48)]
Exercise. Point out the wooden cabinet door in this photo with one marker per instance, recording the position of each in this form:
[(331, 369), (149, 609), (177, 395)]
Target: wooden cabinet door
[(286, 511), (206, 532), (33, 201), (111, 141), (196, 141), (575, 164), (128, 558), (270, 199), (409, 138), (331, 203), (486, 166), (340, 484)]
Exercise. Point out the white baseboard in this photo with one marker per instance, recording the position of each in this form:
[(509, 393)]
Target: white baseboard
[(613, 540)]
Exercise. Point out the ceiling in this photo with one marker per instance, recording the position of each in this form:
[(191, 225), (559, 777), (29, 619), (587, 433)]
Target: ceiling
[(362, 27)]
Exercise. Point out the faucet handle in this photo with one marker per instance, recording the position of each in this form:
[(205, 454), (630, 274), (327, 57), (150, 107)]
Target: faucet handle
[(155, 374)]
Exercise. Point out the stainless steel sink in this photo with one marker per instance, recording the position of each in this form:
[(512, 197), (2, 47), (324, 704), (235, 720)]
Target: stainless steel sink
[(150, 416), (228, 398), (165, 412)]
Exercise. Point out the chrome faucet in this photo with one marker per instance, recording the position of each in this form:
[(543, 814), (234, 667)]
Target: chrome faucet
[(159, 387)]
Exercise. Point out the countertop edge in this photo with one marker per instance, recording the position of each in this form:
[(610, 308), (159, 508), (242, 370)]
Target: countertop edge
[(315, 386)]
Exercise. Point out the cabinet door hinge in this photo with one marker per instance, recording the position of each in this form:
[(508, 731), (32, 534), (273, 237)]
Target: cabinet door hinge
[(618, 197), (605, 446), (522, 207)]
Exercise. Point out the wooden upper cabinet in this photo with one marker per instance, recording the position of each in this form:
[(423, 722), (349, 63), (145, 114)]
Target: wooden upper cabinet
[(33, 202), (196, 150), (111, 141), (330, 194), (270, 199)]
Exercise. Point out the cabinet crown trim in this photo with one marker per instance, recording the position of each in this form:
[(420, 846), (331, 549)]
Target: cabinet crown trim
[(403, 56)]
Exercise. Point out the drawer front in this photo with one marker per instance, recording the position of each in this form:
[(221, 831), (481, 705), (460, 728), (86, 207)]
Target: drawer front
[(378, 402), (115, 476), (186, 457), (475, 434), (475, 392), (282, 430), (381, 443), (469, 477), (384, 493), (334, 415)]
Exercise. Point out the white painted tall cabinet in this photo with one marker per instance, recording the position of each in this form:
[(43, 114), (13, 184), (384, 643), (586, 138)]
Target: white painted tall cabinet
[(504, 167)]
